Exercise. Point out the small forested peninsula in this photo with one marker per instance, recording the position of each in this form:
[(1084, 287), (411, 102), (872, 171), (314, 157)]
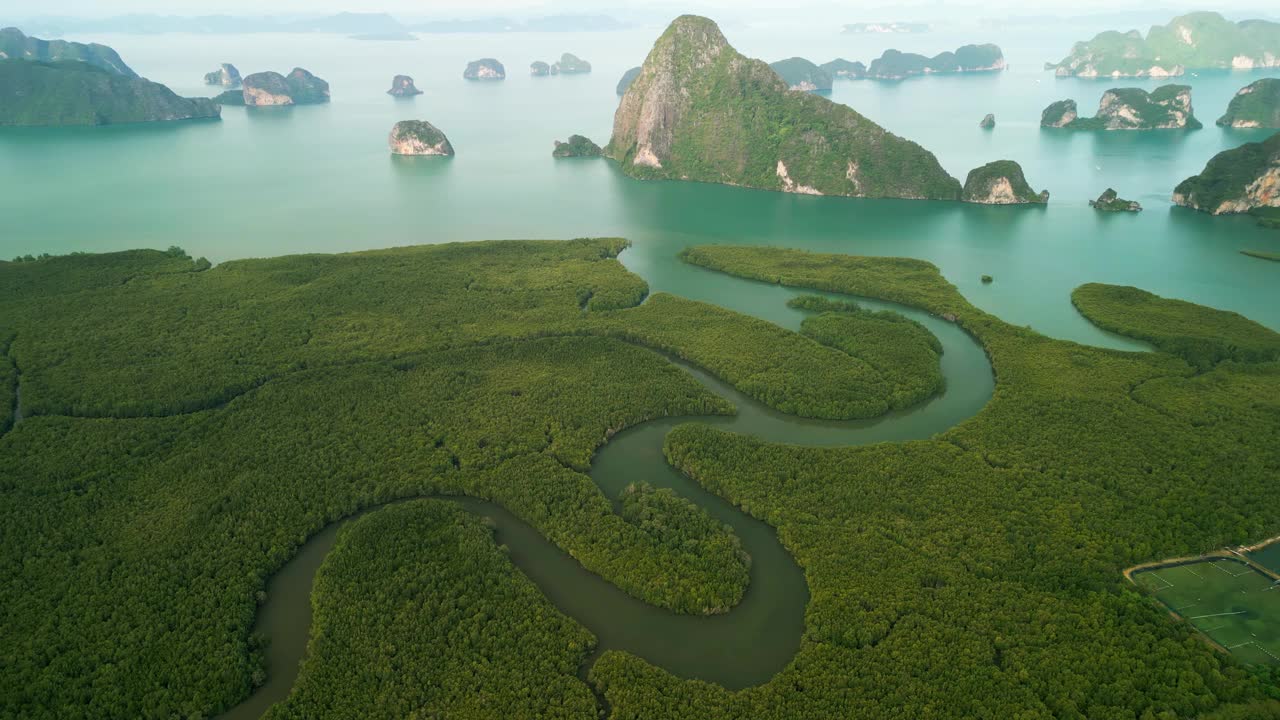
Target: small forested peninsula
[(299, 87), (1256, 105), (1195, 41), (1110, 201), (74, 92), (897, 65), (702, 111), (627, 78), (227, 76), (402, 86), (1000, 183), (14, 45), (570, 64), (577, 146), (1168, 107), (484, 69), (803, 75), (842, 69), (538, 68), (418, 137), (1235, 181)]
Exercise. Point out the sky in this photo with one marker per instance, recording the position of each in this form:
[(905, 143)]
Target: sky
[(479, 8)]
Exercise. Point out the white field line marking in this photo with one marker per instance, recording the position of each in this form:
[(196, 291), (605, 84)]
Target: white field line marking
[(1240, 612)]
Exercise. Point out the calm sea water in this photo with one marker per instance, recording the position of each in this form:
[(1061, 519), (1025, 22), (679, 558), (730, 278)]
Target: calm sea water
[(270, 182)]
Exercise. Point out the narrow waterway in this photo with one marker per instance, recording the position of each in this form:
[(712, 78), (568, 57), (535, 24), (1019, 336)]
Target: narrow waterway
[(741, 648)]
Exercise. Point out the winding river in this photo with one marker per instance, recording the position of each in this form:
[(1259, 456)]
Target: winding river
[(738, 649)]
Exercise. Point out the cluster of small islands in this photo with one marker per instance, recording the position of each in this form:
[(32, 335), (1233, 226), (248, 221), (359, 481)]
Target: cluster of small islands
[(841, 153)]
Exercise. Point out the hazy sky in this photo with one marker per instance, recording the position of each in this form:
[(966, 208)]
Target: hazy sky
[(475, 8)]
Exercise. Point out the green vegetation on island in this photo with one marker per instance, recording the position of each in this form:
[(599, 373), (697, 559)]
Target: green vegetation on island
[(1261, 255), (701, 111), (1000, 183), (271, 89), (484, 69), (1195, 41), (1110, 201), (14, 45), (418, 137), (72, 92), (578, 146), (1168, 107), (402, 86), (192, 426), (570, 64), (1256, 105), (803, 75), (842, 69), (1242, 179), (897, 65), (627, 78)]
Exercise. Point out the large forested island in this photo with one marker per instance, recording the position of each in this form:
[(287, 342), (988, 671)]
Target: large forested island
[(1167, 107), (182, 430), (1235, 181), (1195, 41), (897, 65), (700, 110), (14, 45)]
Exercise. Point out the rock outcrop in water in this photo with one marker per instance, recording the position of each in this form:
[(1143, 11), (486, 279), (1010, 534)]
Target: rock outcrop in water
[(1168, 107), (485, 69), (1059, 114), (841, 69), (988, 122), (299, 87), (1196, 41), (74, 92), (226, 76), (14, 45), (570, 64), (1001, 183), (402, 86), (802, 75), (538, 68), (1110, 201), (577, 147), (628, 77), (1236, 180), (701, 111), (896, 65), (418, 137), (1257, 105)]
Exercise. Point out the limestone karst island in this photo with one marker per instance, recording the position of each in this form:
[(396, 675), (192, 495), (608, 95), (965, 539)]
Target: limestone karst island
[(746, 360)]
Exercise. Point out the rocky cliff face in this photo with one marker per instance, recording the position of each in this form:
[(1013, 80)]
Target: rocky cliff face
[(699, 110), (226, 76), (402, 86), (299, 87), (1166, 108), (16, 46), (1257, 105), (418, 137), (485, 69), (1059, 114), (73, 92), (1236, 180), (1195, 41), (1000, 183)]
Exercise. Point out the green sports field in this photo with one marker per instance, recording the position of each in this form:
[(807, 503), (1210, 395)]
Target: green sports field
[(1236, 606)]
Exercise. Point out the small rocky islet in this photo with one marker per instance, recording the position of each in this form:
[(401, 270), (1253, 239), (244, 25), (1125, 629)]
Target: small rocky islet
[(402, 86), (568, 64), (1001, 183), (803, 75), (1168, 107), (227, 76), (1110, 201), (988, 122), (485, 69), (578, 146), (419, 138)]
